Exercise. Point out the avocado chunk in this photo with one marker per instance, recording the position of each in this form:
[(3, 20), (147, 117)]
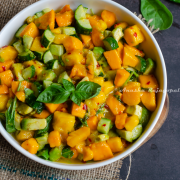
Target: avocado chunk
[(137, 131), (117, 33), (102, 137), (62, 76), (134, 110), (17, 71), (42, 141), (112, 134), (104, 125), (98, 52), (33, 124), (46, 83), (55, 154), (127, 135), (44, 153), (24, 109), (144, 117)]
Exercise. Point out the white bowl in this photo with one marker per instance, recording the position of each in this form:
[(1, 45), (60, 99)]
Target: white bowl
[(150, 46)]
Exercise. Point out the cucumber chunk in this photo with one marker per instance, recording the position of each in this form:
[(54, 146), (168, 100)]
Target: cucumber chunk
[(62, 76), (127, 135), (44, 153), (80, 12), (18, 46), (98, 52), (39, 55), (117, 33), (55, 154), (46, 83), (47, 56), (29, 72), (150, 65), (53, 64), (47, 75), (20, 30), (42, 141), (26, 56), (107, 33), (46, 10), (33, 124), (144, 117), (112, 134), (27, 41), (68, 30), (57, 50), (17, 71), (85, 9), (141, 67), (37, 88), (104, 125), (47, 38), (134, 110), (39, 14), (110, 43), (83, 26), (137, 131)]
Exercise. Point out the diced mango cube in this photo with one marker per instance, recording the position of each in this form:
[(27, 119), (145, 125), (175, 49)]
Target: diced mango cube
[(78, 111), (115, 144), (78, 71), (108, 17), (121, 77), (8, 53), (54, 139), (92, 122), (36, 45), (136, 51), (59, 38), (51, 107), (131, 122), (4, 100), (87, 154), (108, 87), (7, 78), (120, 120), (30, 145)]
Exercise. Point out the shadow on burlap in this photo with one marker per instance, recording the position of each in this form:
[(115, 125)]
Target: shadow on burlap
[(14, 165)]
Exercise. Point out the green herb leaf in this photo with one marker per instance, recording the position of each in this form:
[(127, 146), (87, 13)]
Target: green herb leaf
[(176, 1), (67, 152), (100, 109), (154, 9), (54, 94), (84, 120), (69, 86), (44, 153), (61, 62), (76, 98)]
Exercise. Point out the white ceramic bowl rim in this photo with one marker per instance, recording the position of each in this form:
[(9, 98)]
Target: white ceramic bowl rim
[(108, 161)]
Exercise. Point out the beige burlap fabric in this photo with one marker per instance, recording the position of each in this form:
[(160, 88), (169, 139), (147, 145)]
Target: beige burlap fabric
[(14, 165)]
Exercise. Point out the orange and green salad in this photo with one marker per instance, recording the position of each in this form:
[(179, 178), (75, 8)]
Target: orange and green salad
[(74, 85)]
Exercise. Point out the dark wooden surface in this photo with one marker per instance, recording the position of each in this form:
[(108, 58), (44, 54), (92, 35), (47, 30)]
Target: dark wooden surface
[(159, 158)]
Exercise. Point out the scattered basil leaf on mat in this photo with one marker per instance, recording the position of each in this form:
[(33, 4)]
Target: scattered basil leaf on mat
[(69, 86), (154, 9), (67, 152), (176, 1)]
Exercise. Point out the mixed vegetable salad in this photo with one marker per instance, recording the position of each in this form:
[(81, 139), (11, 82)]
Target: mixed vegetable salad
[(75, 85)]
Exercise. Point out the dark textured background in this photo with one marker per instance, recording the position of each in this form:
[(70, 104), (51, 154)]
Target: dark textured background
[(159, 158)]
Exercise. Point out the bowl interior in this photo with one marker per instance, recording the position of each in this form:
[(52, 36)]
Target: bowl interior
[(149, 46)]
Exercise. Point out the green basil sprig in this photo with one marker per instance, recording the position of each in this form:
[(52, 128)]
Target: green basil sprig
[(57, 93), (154, 9)]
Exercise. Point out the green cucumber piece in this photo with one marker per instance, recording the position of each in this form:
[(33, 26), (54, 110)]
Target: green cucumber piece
[(33, 124), (127, 135), (80, 12), (83, 26), (68, 30), (47, 38), (20, 30), (46, 10), (37, 88), (29, 72), (85, 9), (44, 153), (26, 56), (62, 76), (98, 52), (27, 41), (144, 117), (39, 55), (107, 33), (55, 154), (134, 110), (18, 46), (110, 43), (102, 137), (117, 33), (47, 75), (28, 92), (42, 141), (150, 66), (47, 56), (39, 14), (57, 50), (137, 131), (104, 125), (53, 64), (46, 83), (141, 67), (17, 71), (112, 134)]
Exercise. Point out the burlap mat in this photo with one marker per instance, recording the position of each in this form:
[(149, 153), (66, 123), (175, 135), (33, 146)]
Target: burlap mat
[(13, 165)]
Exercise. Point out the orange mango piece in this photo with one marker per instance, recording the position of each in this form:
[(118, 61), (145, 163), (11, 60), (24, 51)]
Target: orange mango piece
[(120, 120), (115, 144), (86, 39), (60, 38), (131, 93), (78, 136), (65, 8), (30, 145), (136, 51), (48, 19), (51, 107), (8, 53), (87, 154), (80, 146), (24, 84), (121, 77), (97, 37), (92, 122), (71, 43), (99, 80), (97, 22), (43, 115), (113, 59), (120, 51), (131, 122), (133, 35), (129, 58), (101, 151), (148, 81), (100, 98), (4, 66), (11, 94), (123, 25), (4, 89), (108, 87), (62, 105), (4, 100), (24, 135), (78, 71), (108, 17), (7, 78), (78, 111), (114, 105), (36, 45), (21, 96), (149, 100), (54, 139), (30, 30), (75, 153)]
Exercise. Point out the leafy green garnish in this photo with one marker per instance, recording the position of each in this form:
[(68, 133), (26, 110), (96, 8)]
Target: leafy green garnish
[(84, 120), (44, 153), (118, 98), (61, 62), (67, 152), (154, 9)]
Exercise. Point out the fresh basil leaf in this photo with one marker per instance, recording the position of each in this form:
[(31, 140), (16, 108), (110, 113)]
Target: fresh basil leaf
[(154, 9), (84, 120), (76, 98), (54, 94), (67, 152), (69, 86), (87, 90)]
